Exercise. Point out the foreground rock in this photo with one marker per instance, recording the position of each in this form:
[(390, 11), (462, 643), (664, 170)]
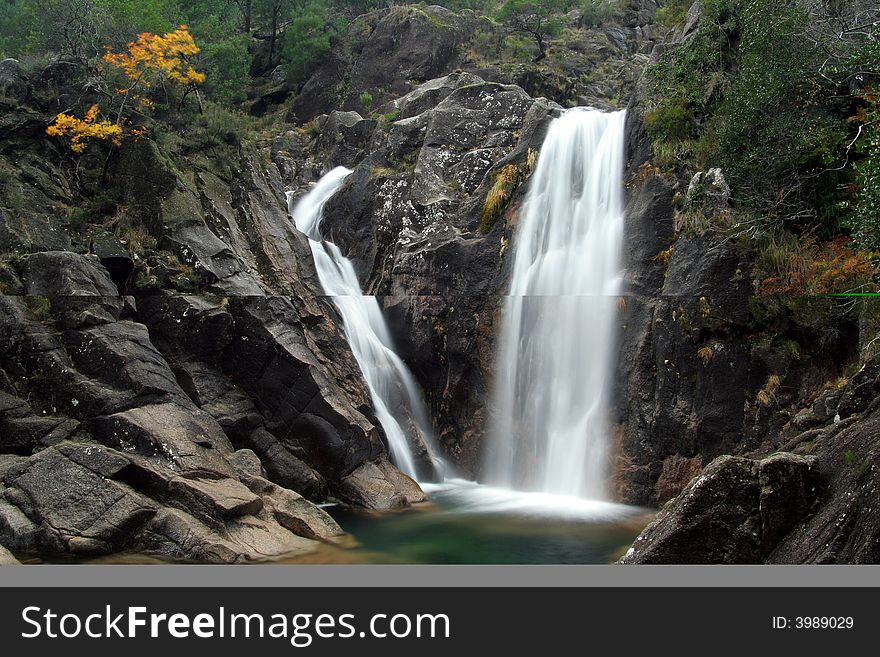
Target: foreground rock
[(109, 444), (736, 511), (6, 558)]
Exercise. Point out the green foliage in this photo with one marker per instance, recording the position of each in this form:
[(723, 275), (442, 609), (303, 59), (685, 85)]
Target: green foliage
[(224, 58), (366, 99), (779, 122), (762, 89), (597, 12), (862, 209), (688, 81), (673, 13), (538, 18), (307, 37)]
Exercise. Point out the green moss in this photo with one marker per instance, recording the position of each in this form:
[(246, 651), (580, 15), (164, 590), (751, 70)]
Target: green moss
[(39, 306)]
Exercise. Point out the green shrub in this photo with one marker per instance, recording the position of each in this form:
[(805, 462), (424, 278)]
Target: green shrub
[(862, 209), (597, 12)]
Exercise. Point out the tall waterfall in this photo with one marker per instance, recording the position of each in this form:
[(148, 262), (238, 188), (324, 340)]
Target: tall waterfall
[(551, 432), (396, 398)]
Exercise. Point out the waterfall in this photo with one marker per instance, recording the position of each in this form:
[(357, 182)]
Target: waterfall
[(396, 398), (550, 431)]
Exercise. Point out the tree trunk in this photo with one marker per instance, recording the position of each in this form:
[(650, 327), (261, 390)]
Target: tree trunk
[(274, 35), (542, 48)]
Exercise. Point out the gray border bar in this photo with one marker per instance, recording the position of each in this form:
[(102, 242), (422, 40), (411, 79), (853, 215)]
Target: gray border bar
[(308, 575)]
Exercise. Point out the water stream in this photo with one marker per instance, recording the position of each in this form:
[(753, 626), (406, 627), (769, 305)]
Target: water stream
[(550, 431), (396, 397)]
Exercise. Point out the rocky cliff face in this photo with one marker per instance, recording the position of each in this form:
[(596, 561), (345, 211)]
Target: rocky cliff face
[(714, 367), (172, 383)]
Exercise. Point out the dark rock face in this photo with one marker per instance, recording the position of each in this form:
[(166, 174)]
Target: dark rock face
[(409, 217), (385, 51), (816, 501), (701, 374), (148, 470), (845, 529), (14, 82), (734, 512), (166, 385)]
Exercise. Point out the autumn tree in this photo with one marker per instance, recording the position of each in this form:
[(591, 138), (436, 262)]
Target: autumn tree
[(155, 59), (150, 60)]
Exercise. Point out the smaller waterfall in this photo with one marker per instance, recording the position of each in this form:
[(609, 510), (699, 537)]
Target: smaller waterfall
[(395, 395)]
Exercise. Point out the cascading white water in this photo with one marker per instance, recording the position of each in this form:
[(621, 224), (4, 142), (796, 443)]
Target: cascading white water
[(393, 390), (550, 431)]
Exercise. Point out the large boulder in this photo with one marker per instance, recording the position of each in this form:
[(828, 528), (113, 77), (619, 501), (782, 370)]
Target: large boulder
[(14, 82), (385, 51), (78, 286), (736, 511), (71, 503)]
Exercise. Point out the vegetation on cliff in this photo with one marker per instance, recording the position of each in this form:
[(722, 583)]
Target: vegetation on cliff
[(781, 96)]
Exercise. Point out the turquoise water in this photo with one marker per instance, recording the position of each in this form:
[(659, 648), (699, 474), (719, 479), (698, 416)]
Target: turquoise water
[(467, 524)]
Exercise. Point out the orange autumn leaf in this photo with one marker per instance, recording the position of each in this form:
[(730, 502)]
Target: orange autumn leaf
[(78, 132), (165, 55)]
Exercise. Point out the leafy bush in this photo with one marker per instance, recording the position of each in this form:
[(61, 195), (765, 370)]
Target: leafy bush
[(862, 210), (673, 13), (597, 12), (307, 37)]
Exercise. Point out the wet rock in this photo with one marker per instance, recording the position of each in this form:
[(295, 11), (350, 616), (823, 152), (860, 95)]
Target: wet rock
[(649, 229), (293, 511), (220, 267), (199, 325), (409, 217), (285, 468), (303, 406), (78, 287), (708, 267), (188, 441), (176, 535), (736, 511), (122, 353), (25, 434), (382, 487)]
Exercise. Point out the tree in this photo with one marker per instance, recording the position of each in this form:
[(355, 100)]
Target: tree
[(307, 36), (272, 12), (537, 18), (152, 59)]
